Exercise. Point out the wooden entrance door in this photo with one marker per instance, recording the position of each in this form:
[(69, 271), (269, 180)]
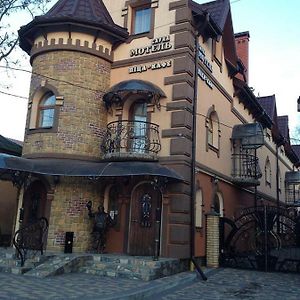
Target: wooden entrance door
[(142, 226)]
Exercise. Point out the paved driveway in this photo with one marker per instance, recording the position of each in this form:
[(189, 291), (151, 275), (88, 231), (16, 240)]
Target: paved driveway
[(240, 284), (221, 284)]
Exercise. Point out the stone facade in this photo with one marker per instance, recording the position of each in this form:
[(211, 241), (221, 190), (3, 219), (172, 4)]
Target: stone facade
[(82, 116), (69, 213)]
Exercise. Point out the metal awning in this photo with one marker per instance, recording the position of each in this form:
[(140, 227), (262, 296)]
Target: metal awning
[(251, 135), (78, 168), (117, 92)]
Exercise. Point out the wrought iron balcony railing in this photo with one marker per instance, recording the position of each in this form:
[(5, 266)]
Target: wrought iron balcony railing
[(131, 139), (246, 170), (292, 195)]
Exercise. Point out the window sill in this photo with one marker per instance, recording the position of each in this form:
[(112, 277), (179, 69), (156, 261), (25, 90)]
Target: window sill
[(214, 149), (134, 36), (41, 130)]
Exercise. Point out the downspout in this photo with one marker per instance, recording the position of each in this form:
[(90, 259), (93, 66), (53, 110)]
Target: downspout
[(277, 186), (193, 162)]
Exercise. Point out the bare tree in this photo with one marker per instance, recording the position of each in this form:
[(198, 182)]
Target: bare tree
[(9, 10)]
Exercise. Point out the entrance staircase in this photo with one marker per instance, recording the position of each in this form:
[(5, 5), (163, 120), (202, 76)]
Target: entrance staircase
[(10, 264), (52, 264)]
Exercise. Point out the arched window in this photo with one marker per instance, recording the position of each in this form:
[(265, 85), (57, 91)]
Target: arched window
[(218, 204), (213, 130), (46, 110), (198, 208), (268, 172), (139, 127)]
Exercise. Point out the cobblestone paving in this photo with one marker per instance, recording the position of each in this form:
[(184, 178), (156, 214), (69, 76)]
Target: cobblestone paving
[(68, 286), (221, 284), (240, 284)]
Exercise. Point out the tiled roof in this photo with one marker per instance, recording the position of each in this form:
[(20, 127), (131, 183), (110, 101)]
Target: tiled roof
[(218, 10), (269, 105), (89, 14), (87, 10), (9, 147), (283, 126)]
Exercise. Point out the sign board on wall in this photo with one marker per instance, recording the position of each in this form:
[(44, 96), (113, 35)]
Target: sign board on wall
[(157, 45), (151, 66), (204, 60)]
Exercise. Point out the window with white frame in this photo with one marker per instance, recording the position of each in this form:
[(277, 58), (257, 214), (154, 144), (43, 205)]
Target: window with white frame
[(46, 110), (213, 130)]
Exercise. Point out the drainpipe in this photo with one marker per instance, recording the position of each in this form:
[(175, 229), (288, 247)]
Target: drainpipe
[(256, 177), (277, 186), (193, 162)]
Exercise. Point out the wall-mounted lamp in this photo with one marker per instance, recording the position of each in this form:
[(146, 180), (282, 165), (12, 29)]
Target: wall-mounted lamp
[(298, 104)]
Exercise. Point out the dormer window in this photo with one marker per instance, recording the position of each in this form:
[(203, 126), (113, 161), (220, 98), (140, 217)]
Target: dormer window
[(142, 20)]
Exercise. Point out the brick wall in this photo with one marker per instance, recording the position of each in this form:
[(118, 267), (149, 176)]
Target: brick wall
[(69, 213), (212, 240), (82, 117)]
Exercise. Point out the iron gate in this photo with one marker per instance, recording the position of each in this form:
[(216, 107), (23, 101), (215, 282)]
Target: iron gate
[(264, 238)]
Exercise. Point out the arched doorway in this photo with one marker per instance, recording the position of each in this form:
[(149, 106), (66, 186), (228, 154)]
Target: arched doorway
[(145, 209), (35, 203)]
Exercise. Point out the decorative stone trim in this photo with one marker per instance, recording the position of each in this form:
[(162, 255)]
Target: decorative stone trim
[(54, 45)]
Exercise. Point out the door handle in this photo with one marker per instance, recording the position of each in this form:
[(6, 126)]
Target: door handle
[(134, 221)]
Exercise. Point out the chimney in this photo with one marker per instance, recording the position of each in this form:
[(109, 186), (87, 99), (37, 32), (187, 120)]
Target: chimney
[(242, 49)]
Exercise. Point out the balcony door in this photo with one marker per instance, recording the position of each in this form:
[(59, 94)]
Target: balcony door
[(138, 127)]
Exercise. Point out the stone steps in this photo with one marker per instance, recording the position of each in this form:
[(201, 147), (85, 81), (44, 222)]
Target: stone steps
[(57, 265), (110, 269), (9, 263), (132, 267), (142, 268)]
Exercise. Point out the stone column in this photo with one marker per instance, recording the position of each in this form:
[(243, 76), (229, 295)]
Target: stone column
[(212, 239)]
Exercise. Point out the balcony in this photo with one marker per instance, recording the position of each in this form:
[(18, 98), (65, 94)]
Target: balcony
[(245, 170), (127, 140)]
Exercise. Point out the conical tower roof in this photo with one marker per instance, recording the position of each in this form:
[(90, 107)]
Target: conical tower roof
[(88, 15), (85, 10)]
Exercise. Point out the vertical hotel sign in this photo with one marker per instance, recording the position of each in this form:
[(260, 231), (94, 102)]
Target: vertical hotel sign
[(204, 60)]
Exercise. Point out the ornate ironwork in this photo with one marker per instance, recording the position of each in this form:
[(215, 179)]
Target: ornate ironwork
[(264, 238), (136, 139), (245, 169), (146, 210), (292, 195), (32, 238)]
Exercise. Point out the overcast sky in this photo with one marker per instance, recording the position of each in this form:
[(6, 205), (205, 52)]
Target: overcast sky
[(274, 60)]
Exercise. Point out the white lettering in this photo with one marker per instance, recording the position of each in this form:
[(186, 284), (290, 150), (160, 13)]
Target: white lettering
[(154, 66), (205, 78), (157, 45)]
